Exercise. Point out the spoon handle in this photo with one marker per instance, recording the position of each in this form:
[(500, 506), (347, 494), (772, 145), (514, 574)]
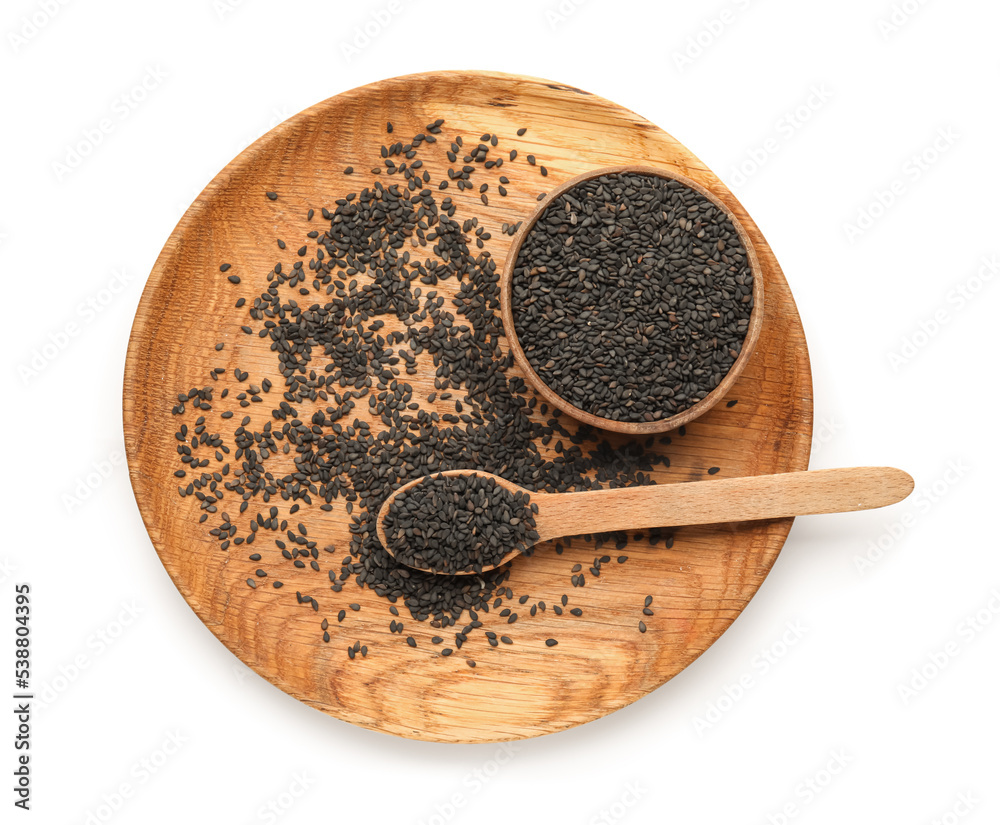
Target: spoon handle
[(780, 495)]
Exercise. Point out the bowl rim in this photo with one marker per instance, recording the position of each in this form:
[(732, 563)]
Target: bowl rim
[(632, 427)]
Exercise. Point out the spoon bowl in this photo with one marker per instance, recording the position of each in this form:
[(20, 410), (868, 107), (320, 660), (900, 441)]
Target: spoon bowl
[(780, 495)]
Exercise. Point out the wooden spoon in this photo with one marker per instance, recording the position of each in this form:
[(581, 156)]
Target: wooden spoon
[(781, 495)]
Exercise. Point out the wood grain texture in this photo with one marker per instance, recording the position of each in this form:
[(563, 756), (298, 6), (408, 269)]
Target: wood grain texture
[(778, 495), (507, 310), (602, 662)]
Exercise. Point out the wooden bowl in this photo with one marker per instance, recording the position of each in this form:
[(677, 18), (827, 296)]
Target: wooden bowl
[(632, 427)]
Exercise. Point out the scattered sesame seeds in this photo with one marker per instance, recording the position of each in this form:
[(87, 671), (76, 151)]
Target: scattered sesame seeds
[(323, 320)]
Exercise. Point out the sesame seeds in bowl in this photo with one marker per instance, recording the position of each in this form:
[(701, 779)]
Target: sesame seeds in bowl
[(632, 299)]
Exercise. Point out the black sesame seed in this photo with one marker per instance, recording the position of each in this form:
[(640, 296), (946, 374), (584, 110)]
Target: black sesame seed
[(383, 253), (628, 308), (453, 523)]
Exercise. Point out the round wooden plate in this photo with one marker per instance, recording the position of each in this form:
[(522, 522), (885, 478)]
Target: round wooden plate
[(602, 661)]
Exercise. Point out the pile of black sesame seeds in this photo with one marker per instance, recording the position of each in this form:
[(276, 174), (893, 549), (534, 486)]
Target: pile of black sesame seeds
[(632, 296), (451, 524), (364, 316)]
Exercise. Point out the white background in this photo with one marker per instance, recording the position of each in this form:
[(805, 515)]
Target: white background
[(810, 112)]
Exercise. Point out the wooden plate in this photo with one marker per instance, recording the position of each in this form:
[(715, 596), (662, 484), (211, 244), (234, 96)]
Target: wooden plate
[(602, 661)]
